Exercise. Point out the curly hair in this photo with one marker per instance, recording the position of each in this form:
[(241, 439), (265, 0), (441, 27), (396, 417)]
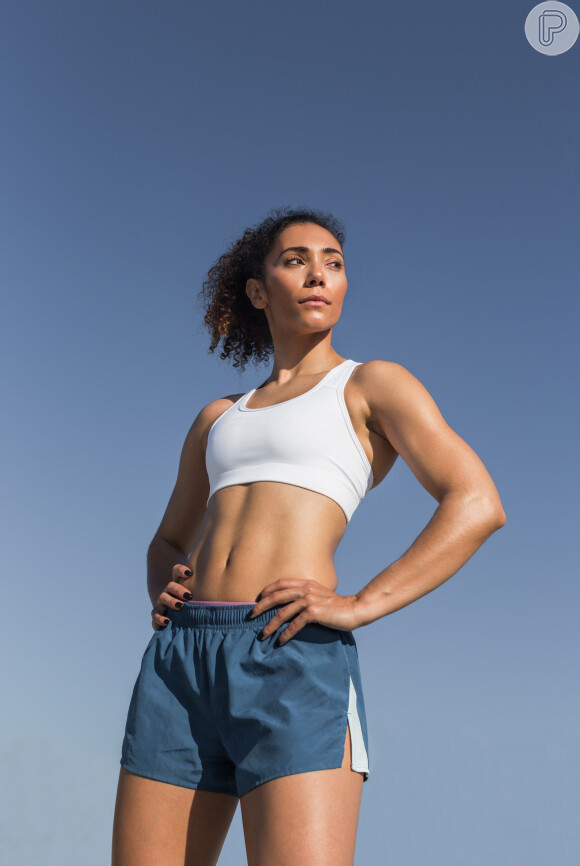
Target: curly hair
[(229, 313)]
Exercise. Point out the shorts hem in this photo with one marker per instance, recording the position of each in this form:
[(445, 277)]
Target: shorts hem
[(194, 786), (293, 772)]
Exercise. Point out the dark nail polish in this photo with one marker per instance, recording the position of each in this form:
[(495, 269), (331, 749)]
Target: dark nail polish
[(188, 572), (187, 595), (178, 605), (167, 621)]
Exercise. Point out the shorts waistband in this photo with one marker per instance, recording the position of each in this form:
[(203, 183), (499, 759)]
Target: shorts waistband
[(221, 602), (233, 615)]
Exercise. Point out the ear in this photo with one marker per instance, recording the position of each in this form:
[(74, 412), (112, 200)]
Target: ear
[(255, 292)]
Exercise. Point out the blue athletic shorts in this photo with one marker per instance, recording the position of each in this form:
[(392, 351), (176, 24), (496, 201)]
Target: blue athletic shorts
[(215, 708)]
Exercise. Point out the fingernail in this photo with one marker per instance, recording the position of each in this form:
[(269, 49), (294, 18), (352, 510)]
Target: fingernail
[(178, 605), (188, 572), (167, 621), (261, 636), (187, 595)]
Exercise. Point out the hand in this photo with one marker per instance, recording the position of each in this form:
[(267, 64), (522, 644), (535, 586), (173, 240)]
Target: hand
[(305, 601), (172, 596)]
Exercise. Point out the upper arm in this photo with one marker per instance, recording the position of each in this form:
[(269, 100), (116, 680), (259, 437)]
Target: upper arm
[(404, 412), (187, 505)]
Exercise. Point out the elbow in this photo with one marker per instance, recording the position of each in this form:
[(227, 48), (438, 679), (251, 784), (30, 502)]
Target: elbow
[(484, 510), (499, 519), (492, 513)]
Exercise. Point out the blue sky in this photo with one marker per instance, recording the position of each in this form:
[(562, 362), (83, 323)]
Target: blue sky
[(138, 141)]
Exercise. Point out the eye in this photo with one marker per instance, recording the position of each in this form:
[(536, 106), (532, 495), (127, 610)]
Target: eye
[(297, 259)]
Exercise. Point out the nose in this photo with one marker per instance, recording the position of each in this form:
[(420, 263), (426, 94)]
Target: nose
[(317, 278)]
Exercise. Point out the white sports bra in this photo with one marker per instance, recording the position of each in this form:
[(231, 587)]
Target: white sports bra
[(308, 441)]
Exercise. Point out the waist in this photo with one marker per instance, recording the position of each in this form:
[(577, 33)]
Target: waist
[(241, 583)]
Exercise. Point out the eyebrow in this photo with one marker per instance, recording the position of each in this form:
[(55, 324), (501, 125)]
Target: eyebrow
[(307, 250)]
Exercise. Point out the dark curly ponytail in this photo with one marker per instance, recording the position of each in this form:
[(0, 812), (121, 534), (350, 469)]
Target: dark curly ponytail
[(229, 313)]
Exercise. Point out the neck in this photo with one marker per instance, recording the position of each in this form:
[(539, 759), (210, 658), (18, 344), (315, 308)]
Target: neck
[(290, 362)]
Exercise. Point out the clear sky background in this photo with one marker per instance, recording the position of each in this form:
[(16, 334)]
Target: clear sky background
[(138, 140)]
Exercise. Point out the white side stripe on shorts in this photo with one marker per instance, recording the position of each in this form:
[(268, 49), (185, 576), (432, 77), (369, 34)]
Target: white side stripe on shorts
[(360, 761)]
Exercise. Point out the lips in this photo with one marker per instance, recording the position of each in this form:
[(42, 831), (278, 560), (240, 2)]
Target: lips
[(315, 298)]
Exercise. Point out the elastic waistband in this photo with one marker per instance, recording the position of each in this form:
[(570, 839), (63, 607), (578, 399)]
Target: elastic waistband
[(233, 615), (220, 602)]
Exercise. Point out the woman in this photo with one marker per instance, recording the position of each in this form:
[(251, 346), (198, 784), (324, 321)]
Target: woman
[(250, 688)]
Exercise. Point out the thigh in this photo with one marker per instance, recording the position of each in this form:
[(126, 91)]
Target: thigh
[(158, 824), (304, 818)]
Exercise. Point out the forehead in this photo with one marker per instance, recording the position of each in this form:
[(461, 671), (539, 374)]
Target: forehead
[(304, 235)]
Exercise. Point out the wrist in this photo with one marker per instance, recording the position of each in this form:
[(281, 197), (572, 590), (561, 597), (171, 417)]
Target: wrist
[(369, 607)]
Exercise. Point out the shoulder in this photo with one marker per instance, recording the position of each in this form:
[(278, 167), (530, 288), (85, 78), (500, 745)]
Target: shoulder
[(213, 410), (377, 379), (209, 413), (393, 394), (381, 369)]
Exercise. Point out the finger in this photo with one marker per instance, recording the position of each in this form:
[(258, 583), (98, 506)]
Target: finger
[(283, 583), (158, 620), (175, 590), (283, 616), (286, 583), (180, 571), (266, 589), (281, 596), (305, 617), (172, 601), (295, 590)]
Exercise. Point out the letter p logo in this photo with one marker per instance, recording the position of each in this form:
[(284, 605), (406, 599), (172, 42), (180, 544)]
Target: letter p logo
[(551, 21), (552, 27)]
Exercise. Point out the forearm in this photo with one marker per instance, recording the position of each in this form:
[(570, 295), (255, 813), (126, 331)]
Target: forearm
[(161, 557), (457, 529)]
